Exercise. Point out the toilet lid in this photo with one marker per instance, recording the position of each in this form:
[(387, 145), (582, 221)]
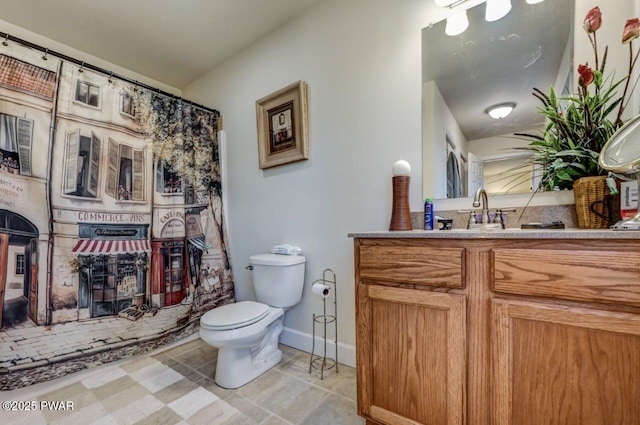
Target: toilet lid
[(233, 316)]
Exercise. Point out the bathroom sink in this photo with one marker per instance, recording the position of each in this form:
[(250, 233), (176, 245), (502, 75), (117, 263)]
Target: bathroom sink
[(485, 226)]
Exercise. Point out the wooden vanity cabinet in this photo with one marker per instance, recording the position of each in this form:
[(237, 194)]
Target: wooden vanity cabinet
[(498, 331)]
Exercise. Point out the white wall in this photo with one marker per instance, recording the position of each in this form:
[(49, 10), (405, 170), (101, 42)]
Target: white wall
[(614, 16), (361, 60)]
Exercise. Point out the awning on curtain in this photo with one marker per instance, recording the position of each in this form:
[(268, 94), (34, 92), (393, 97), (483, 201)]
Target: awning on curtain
[(199, 242), (89, 247)]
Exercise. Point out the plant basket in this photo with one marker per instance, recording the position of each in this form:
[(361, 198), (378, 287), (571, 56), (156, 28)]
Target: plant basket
[(596, 208)]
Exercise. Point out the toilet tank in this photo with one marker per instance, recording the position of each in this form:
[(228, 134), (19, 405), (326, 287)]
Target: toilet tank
[(278, 279)]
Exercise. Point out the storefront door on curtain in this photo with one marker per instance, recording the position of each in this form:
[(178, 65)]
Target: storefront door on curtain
[(4, 254), (32, 253)]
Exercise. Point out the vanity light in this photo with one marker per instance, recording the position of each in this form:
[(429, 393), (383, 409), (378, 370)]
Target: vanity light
[(532, 1), (500, 111), (496, 9), (457, 24)]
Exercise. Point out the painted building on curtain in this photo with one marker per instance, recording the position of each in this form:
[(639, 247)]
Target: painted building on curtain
[(27, 99), (90, 224), (101, 198)]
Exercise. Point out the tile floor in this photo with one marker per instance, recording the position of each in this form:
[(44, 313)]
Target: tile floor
[(286, 394), (148, 391)]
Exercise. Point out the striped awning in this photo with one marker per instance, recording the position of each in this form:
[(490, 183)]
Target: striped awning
[(89, 247), (200, 243)]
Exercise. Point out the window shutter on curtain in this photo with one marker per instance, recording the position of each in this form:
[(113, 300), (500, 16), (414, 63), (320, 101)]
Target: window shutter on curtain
[(112, 171), (138, 175), (71, 175), (24, 135), (94, 165)]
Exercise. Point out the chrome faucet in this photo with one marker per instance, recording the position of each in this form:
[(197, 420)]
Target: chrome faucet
[(485, 204)]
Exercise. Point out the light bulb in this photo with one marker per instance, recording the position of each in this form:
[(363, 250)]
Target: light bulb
[(457, 24), (500, 111), (496, 9)]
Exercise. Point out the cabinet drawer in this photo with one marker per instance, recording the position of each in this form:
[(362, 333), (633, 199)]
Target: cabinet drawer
[(413, 264), (599, 276)]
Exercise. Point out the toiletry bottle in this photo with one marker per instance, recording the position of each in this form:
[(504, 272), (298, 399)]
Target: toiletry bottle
[(428, 214)]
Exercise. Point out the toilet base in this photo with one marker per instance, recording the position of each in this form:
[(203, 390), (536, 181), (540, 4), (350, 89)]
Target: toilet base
[(237, 366)]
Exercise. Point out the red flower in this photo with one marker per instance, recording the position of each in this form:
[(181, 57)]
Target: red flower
[(586, 75), (631, 30), (593, 20)]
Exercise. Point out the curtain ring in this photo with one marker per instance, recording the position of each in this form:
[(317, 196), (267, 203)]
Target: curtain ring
[(111, 77), (6, 39), (46, 52), (81, 66)]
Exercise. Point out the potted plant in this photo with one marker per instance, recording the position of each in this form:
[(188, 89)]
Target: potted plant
[(579, 125)]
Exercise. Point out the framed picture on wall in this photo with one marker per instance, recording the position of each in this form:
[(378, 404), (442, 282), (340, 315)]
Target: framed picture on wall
[(282, 126)]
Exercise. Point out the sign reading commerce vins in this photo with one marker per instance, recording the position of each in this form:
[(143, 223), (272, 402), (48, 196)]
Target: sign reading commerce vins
[(73, 217)]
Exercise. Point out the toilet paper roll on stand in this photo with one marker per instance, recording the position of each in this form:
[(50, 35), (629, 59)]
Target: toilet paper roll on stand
[(321, 289)]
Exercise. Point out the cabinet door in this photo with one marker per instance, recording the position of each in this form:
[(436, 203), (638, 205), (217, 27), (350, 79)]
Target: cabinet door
[(563, 365), (411, 356)]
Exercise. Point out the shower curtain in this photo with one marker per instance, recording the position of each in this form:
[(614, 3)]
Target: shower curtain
[(110, 216)]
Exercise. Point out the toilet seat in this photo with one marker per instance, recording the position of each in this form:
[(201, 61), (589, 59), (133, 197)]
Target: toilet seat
[(234, 316)]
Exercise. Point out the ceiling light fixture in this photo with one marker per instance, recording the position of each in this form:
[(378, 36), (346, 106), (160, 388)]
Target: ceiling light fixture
[(496, 9), (457, 24), (501, 110), (529, 1)]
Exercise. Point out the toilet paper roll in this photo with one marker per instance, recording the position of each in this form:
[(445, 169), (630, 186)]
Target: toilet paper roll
[(321, 289)]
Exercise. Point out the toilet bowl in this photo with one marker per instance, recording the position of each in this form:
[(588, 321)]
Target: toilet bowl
[(246, 333), (247, 348)]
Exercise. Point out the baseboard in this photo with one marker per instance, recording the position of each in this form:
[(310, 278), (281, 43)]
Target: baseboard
[(303, 341)]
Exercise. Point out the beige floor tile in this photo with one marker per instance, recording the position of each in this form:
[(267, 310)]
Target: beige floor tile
[(138, 364), (216, 413), (138, 410), (245, 406), (126, 396), (290, 398), (193, 401), (164, 416), (343, 382), (88, 414), (207, 369), (20, 417), (175, 391), (77, 393), (114, 387), (275, 420), (298, 366), (210, 385), (261, 384), (104, 376), (334, 410), (198, 356), (161, 380)]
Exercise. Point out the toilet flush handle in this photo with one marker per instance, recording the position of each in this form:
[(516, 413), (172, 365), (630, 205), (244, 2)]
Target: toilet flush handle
[(249, 267)]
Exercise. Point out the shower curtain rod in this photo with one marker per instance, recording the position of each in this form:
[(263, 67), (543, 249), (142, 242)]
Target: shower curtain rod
[(7, 37)]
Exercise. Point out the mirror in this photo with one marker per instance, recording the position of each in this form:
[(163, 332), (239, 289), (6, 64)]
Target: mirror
[(490, 63), (621, 154)]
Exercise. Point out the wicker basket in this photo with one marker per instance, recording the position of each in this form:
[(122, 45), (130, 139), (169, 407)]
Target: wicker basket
[(596, 208)]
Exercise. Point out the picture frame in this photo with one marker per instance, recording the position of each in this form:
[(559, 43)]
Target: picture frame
[(283, 126)]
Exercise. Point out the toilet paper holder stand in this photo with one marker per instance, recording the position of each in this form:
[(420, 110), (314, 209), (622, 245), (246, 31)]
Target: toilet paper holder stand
[(323, 362)]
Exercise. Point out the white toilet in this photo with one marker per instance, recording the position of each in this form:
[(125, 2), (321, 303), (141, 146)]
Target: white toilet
[(246, 333)]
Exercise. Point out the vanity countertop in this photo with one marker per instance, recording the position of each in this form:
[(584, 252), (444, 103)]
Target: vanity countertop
[(569, 233)]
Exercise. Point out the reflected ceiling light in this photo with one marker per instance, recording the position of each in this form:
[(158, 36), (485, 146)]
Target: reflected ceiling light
[(457, 24), (496, 9), (500, 111), (445, 3), (532, 1)]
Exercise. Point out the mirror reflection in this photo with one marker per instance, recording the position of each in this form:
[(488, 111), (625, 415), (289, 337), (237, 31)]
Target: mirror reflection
[(490, 63)]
